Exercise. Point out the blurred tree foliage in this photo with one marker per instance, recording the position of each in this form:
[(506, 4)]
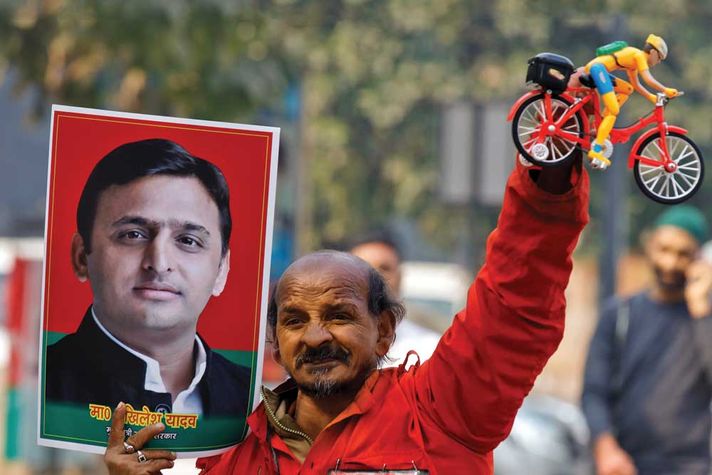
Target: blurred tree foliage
[(373, 76)]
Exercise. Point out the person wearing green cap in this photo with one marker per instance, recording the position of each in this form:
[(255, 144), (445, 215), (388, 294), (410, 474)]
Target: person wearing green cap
[(648, 378)]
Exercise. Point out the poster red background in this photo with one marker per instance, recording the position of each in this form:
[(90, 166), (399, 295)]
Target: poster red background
[(230, 321)]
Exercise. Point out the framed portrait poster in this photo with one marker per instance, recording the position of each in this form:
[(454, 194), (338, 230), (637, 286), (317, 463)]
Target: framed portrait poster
[(157, 244)]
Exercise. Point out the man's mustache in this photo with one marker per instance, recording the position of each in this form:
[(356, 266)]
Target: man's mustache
[(322, 353), (671, 279)]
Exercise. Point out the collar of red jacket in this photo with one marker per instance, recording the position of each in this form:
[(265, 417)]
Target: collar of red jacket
[(288, 391)]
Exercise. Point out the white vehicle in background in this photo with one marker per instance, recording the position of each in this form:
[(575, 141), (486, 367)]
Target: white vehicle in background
[(433, 292), (549, 436)]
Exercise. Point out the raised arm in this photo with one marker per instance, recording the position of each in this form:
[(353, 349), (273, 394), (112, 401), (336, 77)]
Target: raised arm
[(487, 361)]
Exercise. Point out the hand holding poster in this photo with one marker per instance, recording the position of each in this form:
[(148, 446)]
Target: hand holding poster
[(158, 237)]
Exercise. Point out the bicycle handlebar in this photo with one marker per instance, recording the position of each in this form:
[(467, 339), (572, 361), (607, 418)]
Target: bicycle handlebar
[(664, 99)]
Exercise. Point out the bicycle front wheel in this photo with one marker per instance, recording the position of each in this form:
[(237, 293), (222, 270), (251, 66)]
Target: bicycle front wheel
[(527, 123), (669, 187)]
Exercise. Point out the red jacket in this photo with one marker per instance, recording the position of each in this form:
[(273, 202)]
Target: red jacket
[(447, 415)]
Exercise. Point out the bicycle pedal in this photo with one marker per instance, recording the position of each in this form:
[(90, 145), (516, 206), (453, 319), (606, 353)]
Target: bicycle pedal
[(607, 151), (597, 164)]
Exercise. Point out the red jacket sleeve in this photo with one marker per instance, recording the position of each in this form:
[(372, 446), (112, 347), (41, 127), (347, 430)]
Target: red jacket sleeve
[(487, 361)]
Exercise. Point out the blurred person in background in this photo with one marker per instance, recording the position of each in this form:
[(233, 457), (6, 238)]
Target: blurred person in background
[(648, 379), (381, 252)]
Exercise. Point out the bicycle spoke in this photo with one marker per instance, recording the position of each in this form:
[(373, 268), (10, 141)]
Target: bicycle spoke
[(693, 161), (529, 125), (650, 174), (542, 110), (686, 180), (660, 150), (651, 155), (564, 147), (676, 186), (677, 160), (646, 169), (691, 166), (528, 136), (525, 144), (529, 139), (530, 116), (667, 185), (693, 176), (558, 112), (659, 184), (655, 179), (553, 150)]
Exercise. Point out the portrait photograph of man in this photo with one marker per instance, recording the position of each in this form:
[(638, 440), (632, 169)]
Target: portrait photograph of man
[(152, 241)]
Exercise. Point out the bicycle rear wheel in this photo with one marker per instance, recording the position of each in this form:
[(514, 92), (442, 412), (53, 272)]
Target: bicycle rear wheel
[(527, 123), (669, 187)]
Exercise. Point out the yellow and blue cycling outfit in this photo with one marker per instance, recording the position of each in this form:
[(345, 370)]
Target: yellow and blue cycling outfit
[(614, 91)]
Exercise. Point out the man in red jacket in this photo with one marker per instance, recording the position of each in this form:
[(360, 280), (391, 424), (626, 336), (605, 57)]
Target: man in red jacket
[(332, 324)]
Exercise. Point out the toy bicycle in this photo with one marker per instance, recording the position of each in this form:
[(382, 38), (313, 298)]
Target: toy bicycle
[(550, 123)]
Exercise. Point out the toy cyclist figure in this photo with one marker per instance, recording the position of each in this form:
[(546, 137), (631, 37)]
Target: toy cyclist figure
[(615, 91)]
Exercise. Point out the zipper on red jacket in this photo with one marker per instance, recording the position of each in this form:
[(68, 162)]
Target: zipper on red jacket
[(273, 419)]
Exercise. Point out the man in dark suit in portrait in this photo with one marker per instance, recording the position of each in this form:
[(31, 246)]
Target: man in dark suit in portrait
[(153, 229)]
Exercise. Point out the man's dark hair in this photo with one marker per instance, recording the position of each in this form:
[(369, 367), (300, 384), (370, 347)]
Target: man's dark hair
[(134, 160), (378, 236), (379, 300)]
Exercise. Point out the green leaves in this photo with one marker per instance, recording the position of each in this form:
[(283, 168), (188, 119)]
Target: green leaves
[(374, 75)]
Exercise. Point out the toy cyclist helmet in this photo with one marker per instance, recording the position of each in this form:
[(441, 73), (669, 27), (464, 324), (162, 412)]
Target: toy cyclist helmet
[(658, 44)]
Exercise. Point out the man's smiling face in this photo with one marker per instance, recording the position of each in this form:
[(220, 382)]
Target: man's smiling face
[(155, 255)]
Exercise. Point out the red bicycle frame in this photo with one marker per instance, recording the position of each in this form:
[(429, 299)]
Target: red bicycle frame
[(579, 98)]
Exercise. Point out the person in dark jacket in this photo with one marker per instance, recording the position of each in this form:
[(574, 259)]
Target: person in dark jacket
[(648, 380), (153, 228)]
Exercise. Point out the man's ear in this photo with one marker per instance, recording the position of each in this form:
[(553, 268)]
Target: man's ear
[(221, 278), (79, 258), (276, 354), (386, 333)]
